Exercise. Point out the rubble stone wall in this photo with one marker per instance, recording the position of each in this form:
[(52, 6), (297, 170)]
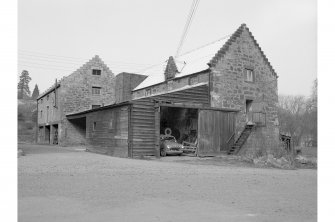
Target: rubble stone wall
[(229, 89), (75, 95)]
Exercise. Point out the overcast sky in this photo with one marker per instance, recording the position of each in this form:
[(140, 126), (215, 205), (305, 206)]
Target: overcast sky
[(55, 37)]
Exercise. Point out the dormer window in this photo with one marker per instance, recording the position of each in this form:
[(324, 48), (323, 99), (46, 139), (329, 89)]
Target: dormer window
[(96, 72)]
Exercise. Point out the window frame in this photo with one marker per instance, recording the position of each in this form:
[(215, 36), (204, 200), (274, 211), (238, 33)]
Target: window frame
[(95, 88), (96, 106), (148, 92), (99, 71), (246, 76), (94, 126)]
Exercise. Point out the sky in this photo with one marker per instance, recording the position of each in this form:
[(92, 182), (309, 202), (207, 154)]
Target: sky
[(57, 37)]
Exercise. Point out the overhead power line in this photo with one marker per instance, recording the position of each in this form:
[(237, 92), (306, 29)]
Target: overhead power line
[(67, 58), (207, 44), (187, 25)]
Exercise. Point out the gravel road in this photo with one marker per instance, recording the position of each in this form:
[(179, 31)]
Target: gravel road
[(68, 184)]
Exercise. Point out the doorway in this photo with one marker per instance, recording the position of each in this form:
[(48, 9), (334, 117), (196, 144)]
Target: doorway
[(55, 134), (248, 109), (47, 134), (182, 123)]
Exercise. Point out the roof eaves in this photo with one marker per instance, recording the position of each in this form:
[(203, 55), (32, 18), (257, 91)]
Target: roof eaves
[(52, 88), (98, 109)]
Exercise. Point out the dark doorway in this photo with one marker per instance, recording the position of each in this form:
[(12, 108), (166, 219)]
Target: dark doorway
[(248, 110), (55, 134), (182, 123), (47, 134), (76, 131)]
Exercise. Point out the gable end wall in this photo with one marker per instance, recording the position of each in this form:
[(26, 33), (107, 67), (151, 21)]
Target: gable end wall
[(230, 90)]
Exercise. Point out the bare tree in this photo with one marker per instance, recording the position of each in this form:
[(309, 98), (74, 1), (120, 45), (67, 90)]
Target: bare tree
[(311, 115), (291, 115)]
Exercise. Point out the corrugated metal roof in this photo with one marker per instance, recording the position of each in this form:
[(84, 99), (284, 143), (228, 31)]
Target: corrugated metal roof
[(187, 63)]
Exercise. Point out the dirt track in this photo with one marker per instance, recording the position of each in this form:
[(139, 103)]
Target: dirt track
[(62, 184)]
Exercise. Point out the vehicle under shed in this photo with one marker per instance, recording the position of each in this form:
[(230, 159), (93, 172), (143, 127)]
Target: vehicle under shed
[(133, 129)]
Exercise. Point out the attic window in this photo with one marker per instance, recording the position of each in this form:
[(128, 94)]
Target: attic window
[(193, 80), (147, 92), (249, 75), (96, 72), (47, 97), (96, 90)]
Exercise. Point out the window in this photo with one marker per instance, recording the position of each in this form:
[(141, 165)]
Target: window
[(41, 113), (193, 80), (41, 101), (147, 92), (249, 75), (96, 72), (47, 97), (96, 90), (94, 126), (95, 106), (47, 113)]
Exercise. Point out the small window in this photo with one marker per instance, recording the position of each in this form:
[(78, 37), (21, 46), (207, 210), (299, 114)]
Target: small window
[(47, 97), (194, 80), (41, 101), (96, 90), (41, 113), (147, 92), (94, 126), (96, 72), (96, 106), (47, 113), (249, 75)]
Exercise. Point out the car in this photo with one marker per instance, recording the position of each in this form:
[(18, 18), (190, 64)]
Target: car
[(170, 146)]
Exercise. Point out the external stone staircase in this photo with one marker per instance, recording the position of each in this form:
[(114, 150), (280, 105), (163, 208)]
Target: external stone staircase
[(235, 148)]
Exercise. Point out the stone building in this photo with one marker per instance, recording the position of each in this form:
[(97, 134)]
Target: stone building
[(238, 76), (90, 86), (224, 94)]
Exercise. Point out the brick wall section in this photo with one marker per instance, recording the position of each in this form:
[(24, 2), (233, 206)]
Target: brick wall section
[(173, 84), (230, 90), (124, 84), (111, 133)]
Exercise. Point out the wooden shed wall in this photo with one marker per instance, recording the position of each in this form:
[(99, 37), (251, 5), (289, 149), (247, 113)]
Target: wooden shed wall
[(110, 135), (144, 125)]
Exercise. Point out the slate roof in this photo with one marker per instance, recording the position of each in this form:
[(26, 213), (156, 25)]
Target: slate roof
[(187, 63), (198, 60)]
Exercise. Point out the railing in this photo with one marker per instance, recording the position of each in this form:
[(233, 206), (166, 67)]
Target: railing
[(259, 118)]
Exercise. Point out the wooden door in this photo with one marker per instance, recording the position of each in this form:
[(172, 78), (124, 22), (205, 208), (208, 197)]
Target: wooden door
[(215, 129)]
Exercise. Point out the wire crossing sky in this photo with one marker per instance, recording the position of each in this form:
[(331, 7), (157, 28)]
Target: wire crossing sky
[(187, 25), (56, 37)]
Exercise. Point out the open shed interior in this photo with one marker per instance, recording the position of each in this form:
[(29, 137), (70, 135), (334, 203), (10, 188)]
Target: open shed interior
[(183, 123)]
